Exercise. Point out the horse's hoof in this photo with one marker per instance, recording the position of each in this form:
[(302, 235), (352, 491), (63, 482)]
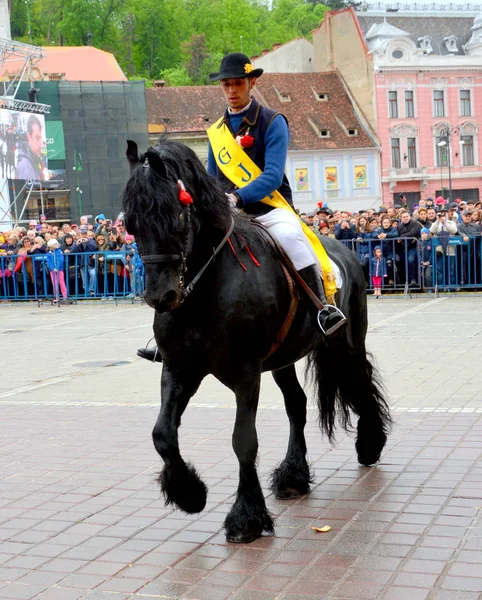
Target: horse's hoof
[(184, 488), (366, 461), (242, 538), (288, 494)]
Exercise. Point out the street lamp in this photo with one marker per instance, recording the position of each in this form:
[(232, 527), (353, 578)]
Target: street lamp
[(28, 20), (445, 138), (78, 169)]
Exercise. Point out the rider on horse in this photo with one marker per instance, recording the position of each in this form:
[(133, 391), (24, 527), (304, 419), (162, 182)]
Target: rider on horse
[(263, 135)]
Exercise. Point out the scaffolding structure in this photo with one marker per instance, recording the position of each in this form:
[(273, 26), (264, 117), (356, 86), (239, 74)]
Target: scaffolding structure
[(25, 58)]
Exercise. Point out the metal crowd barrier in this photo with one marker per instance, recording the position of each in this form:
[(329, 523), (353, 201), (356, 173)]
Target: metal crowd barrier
[(87, 275), (452, 264)]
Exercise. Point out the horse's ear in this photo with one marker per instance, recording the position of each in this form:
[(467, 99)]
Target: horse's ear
[(132, 154), (156, 163)]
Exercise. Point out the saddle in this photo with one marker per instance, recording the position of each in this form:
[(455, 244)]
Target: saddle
[(295, 284)]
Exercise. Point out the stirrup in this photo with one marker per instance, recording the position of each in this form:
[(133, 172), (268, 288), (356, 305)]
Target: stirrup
[(141, 352), (331, 309)]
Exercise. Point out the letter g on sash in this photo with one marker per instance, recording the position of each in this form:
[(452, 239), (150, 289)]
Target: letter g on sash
[(248, 176), (223, 156)]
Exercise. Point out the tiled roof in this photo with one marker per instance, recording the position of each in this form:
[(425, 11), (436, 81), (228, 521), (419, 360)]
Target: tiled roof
[(433, 26), (194, 109), (184, 109), (77, 63), (303, 107)]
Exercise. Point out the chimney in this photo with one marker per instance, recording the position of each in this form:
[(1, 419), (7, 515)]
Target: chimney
[(89, 38), (159, 83)]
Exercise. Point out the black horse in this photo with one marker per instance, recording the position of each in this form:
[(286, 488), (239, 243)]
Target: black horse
[(222, 320)]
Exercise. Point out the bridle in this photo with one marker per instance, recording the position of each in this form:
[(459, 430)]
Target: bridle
[(150, 259)]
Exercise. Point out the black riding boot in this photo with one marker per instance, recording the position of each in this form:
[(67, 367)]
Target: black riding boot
[(330, 319), (151, 354)]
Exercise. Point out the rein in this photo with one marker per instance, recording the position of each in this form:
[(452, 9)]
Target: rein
[(160, 258), (190, 287)]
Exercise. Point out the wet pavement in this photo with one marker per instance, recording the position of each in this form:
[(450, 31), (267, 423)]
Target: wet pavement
[(81, 516)]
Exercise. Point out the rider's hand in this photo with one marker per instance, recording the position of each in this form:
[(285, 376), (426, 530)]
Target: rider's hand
[(232, 200)]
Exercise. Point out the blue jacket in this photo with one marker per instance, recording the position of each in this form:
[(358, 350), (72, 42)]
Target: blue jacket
[(387, 246), (382, 267), (38, 260), (55, 260), (427, 246), (271, 138), (88, 246)]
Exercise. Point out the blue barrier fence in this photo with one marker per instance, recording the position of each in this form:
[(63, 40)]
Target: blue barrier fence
[(450, 263), (85, 275), (447, 263)]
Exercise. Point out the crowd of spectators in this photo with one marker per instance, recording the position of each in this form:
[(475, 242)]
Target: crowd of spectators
[(90, 259), (433, 243)]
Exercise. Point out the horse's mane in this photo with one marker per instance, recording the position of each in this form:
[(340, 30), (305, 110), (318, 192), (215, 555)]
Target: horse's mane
[(151, 199)]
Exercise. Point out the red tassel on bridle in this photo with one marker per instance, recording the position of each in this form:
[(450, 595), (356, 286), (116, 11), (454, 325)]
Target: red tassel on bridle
[(184, 196)]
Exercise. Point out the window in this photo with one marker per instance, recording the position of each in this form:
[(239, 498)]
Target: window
[(441, 152), (465, 108), (409, 108), (395, 144), (393, 105), (325, 133), (467, 150), (438, 104), (412, 153), (397, 54), (352, 132)]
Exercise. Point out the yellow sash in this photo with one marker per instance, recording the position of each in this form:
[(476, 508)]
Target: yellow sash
[(238, 167)]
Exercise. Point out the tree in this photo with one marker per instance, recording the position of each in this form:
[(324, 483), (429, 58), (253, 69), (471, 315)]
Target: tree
[(150, 36), (336, 4), (176, 77), (197, 52)]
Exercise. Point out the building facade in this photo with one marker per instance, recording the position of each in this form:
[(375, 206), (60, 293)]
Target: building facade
[(424, 86)]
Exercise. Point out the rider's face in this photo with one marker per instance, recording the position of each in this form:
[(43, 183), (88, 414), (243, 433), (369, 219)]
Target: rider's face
[(238, 91)]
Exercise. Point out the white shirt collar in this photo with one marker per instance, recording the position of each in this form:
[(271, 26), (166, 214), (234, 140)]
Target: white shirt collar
[(241, 111)]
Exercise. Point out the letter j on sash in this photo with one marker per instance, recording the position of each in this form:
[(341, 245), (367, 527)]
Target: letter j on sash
[(248, 178)]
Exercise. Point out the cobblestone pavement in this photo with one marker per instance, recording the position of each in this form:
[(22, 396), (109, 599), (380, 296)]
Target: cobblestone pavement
[(80, 516)]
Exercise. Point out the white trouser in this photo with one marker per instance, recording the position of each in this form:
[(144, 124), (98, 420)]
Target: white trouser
[(286, 229)]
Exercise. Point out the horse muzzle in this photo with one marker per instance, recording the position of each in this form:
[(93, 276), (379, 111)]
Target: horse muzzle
[(169, 302)]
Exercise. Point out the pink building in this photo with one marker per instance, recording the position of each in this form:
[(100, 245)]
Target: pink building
[(418, 78)]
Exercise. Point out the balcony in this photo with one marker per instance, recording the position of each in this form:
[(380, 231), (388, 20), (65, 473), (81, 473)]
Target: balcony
[(407, 174)]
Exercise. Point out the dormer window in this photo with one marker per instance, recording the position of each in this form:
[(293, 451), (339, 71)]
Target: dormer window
[(425, 44), (352, 132), (321, 133), (320, 96), (282, 96), (451, 43)]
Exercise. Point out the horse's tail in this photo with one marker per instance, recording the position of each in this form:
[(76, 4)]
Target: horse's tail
[(346, 382)]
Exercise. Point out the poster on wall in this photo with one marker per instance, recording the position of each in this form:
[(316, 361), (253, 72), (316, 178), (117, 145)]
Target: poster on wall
[(331, 178), (361, 176), (23, 146), (301, 179)]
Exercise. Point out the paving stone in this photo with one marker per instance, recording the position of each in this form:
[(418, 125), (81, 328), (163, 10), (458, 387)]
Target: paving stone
[(81, 518)]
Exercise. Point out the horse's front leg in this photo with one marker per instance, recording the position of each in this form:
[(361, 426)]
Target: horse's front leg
[(292, 477), (180, 483), (248, 517)]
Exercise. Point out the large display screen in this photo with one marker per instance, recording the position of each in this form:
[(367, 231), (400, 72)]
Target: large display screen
[(23, 146)]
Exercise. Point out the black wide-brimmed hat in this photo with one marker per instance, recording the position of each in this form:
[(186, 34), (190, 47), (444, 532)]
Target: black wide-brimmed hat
[(235, 66)]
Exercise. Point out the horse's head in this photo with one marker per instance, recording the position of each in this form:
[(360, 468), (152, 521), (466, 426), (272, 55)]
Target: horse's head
[(163, 209)]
